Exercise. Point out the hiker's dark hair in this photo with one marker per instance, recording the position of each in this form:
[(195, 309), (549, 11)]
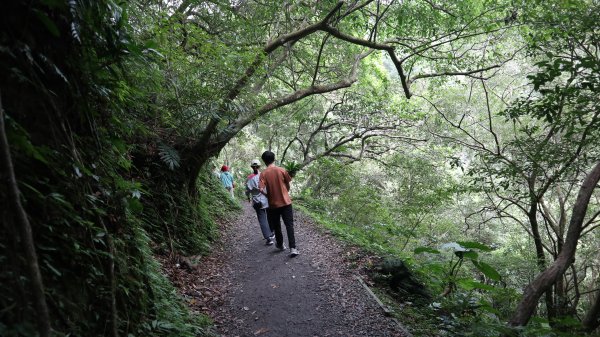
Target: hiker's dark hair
[(268, 157)]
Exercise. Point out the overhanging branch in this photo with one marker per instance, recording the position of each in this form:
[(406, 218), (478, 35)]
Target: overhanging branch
[(295, 96), (376, 46)]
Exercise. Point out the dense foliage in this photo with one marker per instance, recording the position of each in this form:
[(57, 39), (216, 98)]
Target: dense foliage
[(96, 206)]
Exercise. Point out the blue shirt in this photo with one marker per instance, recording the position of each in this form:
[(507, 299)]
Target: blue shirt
[(226, 179)]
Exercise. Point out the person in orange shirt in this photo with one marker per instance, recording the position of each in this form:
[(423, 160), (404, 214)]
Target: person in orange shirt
[(275, 184)]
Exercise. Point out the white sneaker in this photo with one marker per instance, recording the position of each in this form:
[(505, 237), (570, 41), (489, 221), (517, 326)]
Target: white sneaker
[(281, 248), (294, 252)]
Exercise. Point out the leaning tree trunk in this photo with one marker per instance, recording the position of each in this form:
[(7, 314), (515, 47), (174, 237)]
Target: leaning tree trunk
[(548, 277), (591, 321)]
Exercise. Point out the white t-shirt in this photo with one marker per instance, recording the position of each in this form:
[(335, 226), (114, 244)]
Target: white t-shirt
[(252, 189)]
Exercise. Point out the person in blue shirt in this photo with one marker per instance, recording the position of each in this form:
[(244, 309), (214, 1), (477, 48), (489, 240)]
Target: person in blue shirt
[(227, 179)]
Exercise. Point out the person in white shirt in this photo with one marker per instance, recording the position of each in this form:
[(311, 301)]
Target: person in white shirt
[(259, 201)]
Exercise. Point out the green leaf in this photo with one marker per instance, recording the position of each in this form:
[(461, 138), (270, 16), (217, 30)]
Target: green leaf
[(20, 140), (154, 51), (469, 284), (119, 145), (469, 255), (487, 270), (475, 245), (292, 167), (54, 270), (134, 205)]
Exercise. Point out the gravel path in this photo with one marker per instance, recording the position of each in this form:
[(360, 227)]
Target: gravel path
[(250, 289)]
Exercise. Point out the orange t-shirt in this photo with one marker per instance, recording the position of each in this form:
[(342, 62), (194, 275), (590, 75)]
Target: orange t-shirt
[(276, 182)]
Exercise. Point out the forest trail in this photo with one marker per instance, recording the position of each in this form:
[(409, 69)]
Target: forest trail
[(251, 289)]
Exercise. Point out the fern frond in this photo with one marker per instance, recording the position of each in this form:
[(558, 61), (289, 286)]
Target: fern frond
[(292, 167), (169, 156)]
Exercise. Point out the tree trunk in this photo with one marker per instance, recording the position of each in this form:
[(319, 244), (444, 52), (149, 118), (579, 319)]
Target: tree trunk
[(560, 304), (591, 321), (537, 238), (192, 164), (548, 277), (39, 297), (539, 246)]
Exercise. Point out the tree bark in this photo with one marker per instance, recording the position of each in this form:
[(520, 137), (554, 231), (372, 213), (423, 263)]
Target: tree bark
[(39, 297), (539, 246), (591, 321), (565, 258)]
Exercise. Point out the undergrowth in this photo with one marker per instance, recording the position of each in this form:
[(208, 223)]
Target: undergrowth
[(369, 238), (96, 210), (459, 306), (195, 227)]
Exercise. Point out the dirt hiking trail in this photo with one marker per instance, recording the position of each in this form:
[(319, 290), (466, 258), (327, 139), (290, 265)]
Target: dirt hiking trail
[(250, 289)]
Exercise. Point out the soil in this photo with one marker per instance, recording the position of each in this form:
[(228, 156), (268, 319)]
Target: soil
[(250, 289)]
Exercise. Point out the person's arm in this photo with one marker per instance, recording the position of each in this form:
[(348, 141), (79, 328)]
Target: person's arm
[(248, 191), (262, 185), (286, 179)]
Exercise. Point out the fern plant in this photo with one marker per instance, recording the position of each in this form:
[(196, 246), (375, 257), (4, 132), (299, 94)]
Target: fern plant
[(169, 156), (292, 168)]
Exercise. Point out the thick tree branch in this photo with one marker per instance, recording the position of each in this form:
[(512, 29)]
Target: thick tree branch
[(454, 73), (376, 46), (295, 96), (271, 46), (316, 73), (276, 43)]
